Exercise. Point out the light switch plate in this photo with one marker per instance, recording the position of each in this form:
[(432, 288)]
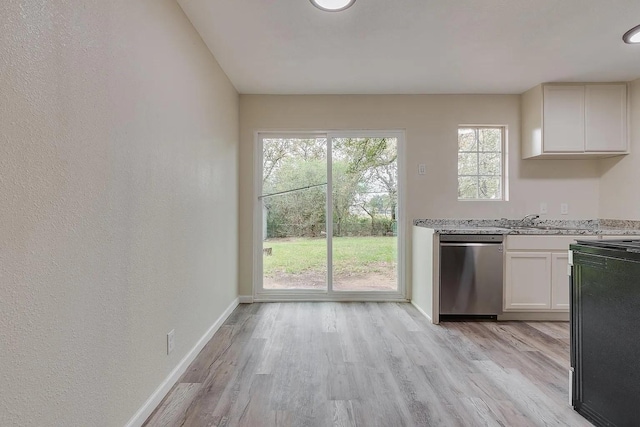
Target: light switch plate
[(564, 209), (422, 169)]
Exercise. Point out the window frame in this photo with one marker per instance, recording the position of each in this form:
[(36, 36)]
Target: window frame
[(503, 163)]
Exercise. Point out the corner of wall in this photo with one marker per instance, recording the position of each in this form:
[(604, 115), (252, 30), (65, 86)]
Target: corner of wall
[(618, 199)]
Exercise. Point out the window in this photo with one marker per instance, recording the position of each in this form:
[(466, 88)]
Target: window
[(481, 162)]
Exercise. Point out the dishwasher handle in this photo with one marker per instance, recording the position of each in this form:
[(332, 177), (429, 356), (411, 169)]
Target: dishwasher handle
[(471, 238), (470, 244), (466, 245)]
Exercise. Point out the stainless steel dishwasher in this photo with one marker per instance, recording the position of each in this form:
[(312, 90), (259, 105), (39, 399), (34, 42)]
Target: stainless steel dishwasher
[(471, 276)]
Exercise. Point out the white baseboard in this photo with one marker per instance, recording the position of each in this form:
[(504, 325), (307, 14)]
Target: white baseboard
[(156, 397), (245, 299), (422, 311), (319, 297)]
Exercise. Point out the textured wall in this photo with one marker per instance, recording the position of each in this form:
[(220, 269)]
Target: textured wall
[(118, 204), (619, 197), (431, 123)]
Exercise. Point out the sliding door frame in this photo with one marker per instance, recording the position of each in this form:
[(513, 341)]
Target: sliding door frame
[(263, 295)]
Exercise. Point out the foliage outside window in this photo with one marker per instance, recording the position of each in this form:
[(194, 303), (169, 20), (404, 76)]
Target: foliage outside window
[(480, 163), (364, 186)]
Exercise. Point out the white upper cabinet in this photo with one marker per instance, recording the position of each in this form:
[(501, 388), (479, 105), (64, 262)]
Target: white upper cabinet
[(574, 121), (606, 118), (563, 119)]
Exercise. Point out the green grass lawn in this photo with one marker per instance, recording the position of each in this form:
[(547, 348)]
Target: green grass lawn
[(350, 255)]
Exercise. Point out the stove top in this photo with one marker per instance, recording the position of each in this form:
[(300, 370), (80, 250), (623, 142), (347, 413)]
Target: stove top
[(627, 245)]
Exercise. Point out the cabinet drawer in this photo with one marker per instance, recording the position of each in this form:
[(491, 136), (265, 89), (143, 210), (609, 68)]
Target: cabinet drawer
[(543, 242), (614, 237)]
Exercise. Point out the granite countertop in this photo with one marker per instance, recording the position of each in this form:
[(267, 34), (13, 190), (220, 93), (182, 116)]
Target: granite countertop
[(535, 227)]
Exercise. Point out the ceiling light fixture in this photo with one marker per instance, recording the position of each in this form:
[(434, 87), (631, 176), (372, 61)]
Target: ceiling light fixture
[(333, 5), (632, 36)]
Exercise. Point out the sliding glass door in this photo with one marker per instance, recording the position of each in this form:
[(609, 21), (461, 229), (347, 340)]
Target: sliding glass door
[(365, 203), (310, 245), (293, 202)]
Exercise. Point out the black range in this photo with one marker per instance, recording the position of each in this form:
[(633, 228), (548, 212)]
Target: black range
[(605, 331)]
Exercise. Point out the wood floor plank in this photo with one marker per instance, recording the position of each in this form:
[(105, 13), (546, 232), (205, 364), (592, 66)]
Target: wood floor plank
[(227, 399), (372, 364), (342, 382), (201, 368), (257, 409), (556, 330), (172, 410), (330, 317), (343, 414), (482, 410)]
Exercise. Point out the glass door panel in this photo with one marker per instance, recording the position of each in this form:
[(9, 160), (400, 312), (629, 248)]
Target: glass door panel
[(364, 176), (294, 203)]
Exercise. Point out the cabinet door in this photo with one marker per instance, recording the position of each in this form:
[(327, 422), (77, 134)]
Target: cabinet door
[(606, 117), (560, 288), (528, 281), (563, 119)]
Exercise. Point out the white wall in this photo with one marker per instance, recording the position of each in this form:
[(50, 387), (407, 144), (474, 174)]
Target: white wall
[(619, 196), (431, 123), (118, 204)]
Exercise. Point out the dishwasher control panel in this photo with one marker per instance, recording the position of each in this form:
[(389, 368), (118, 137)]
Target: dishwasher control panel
[(472, 238)]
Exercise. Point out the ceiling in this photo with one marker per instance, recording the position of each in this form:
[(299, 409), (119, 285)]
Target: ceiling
[(417, 46)]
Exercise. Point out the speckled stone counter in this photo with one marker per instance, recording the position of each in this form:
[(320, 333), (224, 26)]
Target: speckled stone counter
[(535, 227)]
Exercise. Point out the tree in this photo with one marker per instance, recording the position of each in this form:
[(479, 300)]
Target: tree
[(273, 152), (300, 210), (276, 150), (345, 189), (364, 178), (367, 153), (374, 162), (387, 175)]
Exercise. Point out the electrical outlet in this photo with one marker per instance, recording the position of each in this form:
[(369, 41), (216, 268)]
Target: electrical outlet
[(544, 208), (564, 208), (422, 169), (171, 341)]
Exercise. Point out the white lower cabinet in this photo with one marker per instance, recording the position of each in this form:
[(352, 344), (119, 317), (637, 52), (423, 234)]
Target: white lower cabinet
[(560, 283), (536, 273), (528, 281)]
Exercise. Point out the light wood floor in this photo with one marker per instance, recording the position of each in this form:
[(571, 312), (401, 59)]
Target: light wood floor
[(372, 364)]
